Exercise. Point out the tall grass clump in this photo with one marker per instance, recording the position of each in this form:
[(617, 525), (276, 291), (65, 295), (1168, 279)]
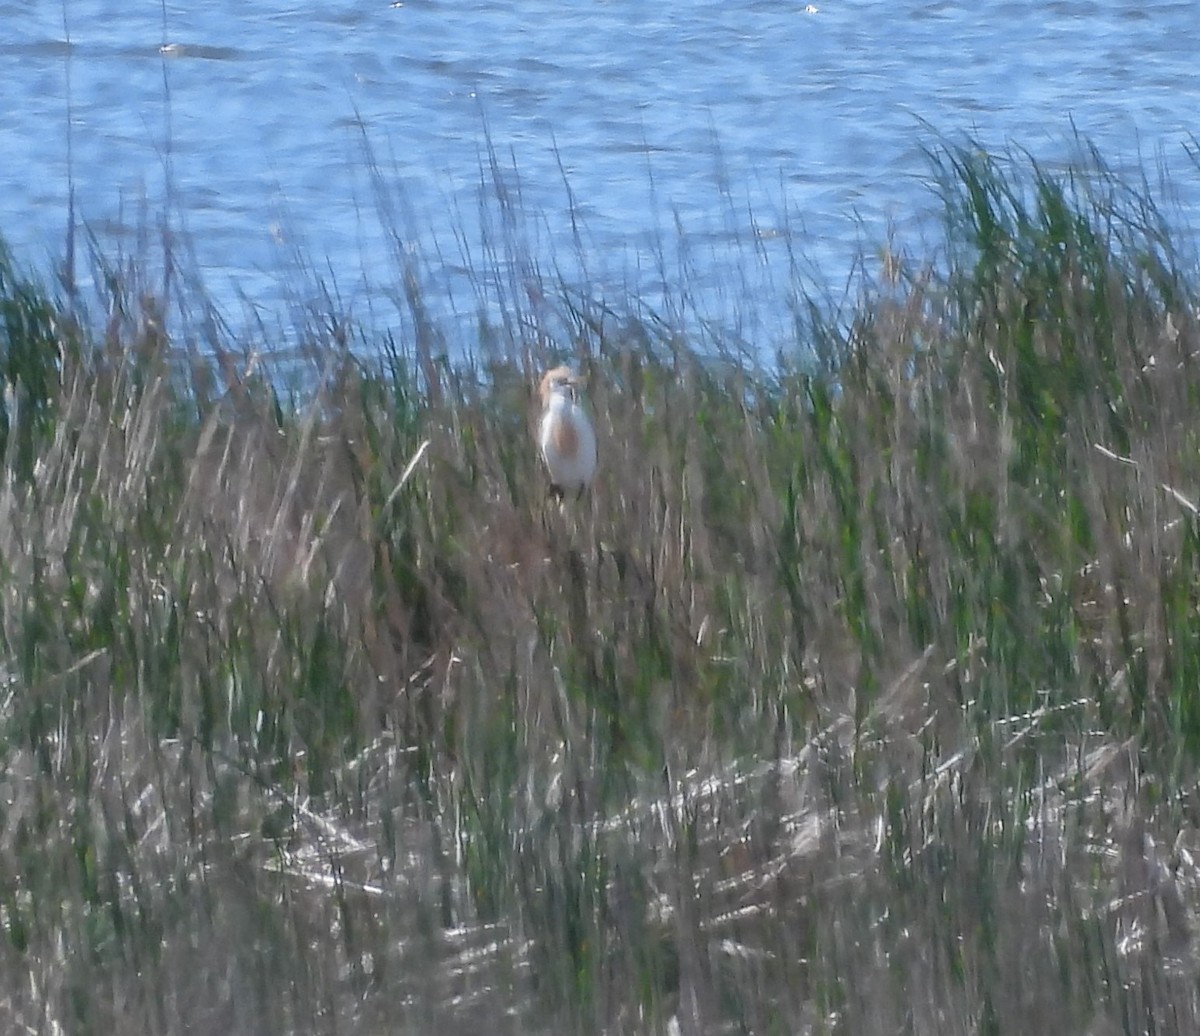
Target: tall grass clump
[(858, 697)]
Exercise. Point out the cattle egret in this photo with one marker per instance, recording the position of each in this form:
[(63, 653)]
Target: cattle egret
[(565, 435)]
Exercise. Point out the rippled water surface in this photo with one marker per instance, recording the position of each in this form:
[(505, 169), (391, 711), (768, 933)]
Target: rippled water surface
[(760, 130)]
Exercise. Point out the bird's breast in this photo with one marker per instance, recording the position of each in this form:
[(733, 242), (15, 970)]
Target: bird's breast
[(564, 435)]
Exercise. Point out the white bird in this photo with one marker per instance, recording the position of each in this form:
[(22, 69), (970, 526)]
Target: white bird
[(565, 435)]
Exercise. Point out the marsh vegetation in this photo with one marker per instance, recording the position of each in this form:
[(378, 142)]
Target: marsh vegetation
[(861, 696)]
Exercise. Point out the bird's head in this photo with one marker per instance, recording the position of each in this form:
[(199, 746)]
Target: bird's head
[(561, 381)]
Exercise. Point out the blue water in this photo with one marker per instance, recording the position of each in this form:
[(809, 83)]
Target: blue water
[(713, 144)]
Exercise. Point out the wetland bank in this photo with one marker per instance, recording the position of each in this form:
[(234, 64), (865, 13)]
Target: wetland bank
[(860, 696)]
